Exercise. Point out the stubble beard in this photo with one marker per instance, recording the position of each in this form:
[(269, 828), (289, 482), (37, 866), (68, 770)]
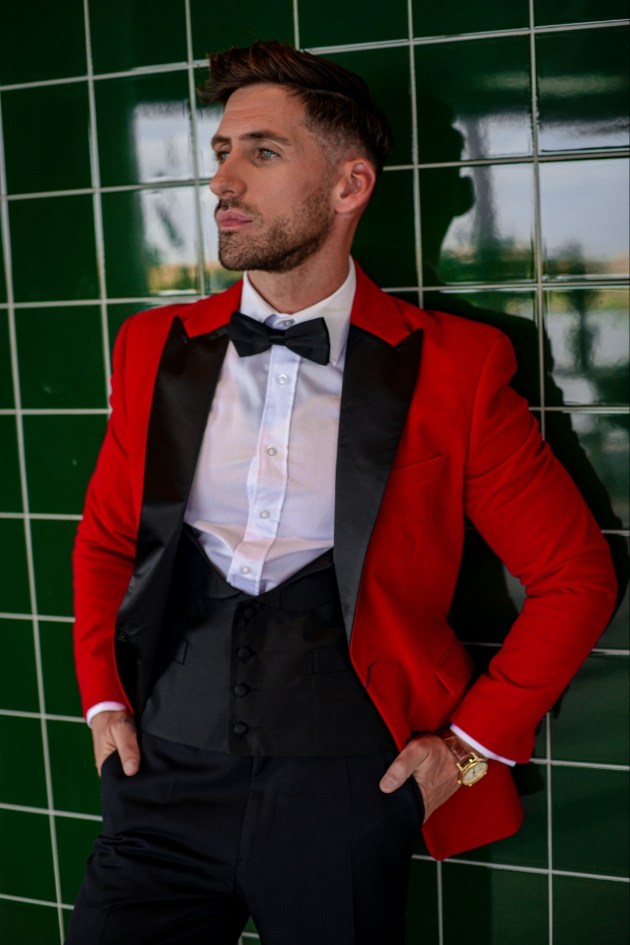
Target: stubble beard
[(287, 241)]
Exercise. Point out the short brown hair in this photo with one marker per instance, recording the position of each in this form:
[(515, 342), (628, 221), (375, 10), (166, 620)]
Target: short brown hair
[(335, 100)]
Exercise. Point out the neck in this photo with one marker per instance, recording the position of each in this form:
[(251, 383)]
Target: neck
[(310, 282)]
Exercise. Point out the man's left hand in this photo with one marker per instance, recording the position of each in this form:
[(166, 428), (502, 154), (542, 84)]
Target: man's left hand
[(432, 764)]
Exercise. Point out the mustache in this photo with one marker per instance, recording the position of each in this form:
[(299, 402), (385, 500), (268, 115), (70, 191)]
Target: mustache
[(223, 204)]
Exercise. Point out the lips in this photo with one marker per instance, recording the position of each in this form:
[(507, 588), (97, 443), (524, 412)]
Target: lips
[(231, 219)]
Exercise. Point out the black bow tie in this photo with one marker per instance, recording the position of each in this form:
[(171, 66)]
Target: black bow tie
[(308, 339)]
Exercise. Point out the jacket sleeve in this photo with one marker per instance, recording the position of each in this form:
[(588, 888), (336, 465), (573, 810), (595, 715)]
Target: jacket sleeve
[(104, 552), (529, 511)]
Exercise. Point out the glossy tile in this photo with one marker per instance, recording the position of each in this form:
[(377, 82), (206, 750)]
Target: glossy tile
[(61, 693), (10, 487), (328, 23), (589, 722), (143, 33), (586, 911), (27, 836), (507, 906), (46, 134), (482, 108), (144, 129), (458, 16), (589, 819), (18, 678), (584, 219), (76, 786), (387, 74), (617, 635), (60, 352), (60, 456), (6, 380), (74, 844), (593, 448), (589, 339), (53, 249), (22, 779), (422, 905), (477, 224), (52, 548), (150, 242), (578, 11), (583, 89), (14, 592), (218, 27), (528, 847), (216, 277), (24, 923), (56, 44), (384, 244)]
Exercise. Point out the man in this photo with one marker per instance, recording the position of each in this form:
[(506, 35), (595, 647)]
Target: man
[(277, 483)]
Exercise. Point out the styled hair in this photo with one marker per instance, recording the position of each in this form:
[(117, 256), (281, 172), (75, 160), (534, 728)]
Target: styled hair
[(336, 101)]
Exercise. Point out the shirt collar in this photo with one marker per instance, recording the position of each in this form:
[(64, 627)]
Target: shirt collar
[(335, 309)]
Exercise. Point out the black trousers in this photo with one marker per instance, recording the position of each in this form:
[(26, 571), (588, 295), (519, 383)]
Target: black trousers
[(198, 841)]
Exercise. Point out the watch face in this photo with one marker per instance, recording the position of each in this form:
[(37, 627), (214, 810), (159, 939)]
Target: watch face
[(474, 772)]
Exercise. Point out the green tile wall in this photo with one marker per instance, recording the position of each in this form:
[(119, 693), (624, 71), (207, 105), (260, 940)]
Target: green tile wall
[(505, 200)]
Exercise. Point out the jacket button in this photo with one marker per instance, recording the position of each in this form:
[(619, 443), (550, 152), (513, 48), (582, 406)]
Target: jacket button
[(241, 689), (240, 728), (122, 636), (249, 612), (244, 653)]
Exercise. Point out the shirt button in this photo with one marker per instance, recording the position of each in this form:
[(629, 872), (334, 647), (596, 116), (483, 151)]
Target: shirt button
[(240, 728), (245, 569), (271, 451), (283, 379), (241, 689), (244, 653), (264, 514)]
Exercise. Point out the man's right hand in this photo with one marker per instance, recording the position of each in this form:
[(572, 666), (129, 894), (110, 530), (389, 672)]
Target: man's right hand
[(116, 731)]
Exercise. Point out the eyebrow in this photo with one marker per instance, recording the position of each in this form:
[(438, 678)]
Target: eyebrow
[(263, 135)]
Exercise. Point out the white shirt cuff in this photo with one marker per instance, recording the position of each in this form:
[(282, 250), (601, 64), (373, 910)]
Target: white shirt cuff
[(480, 748), (103, 707)]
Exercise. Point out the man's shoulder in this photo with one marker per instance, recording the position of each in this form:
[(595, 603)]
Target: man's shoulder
[(448, 330), (196, 317)]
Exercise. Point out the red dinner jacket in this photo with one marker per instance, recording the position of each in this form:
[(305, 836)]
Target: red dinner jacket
[(430, 433)]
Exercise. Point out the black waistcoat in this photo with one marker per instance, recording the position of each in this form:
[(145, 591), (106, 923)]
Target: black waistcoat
[(267, 675)]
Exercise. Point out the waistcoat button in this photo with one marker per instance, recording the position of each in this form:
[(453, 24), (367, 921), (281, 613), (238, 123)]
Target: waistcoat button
[(240, 728), (241, 689), (244, 653)]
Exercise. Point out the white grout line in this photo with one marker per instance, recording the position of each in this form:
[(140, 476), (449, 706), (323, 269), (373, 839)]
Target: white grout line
[(192, 104), (69, 815), (417, 218), (27, 530), (296, 25), (538, 239)]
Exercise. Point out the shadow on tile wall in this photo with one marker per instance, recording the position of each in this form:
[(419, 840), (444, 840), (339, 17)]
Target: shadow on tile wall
[(505, 200)]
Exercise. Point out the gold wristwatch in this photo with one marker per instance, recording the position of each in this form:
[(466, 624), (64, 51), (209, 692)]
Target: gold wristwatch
[(471, 765)]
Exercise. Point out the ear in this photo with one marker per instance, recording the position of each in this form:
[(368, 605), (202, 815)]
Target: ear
[(354, 186)]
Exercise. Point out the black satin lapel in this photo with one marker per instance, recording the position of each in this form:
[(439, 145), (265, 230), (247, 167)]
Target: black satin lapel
[(185, 384), (378, 384)]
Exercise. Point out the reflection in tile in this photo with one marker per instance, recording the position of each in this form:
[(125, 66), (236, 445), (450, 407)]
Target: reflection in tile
[(617, 634), (150, 242), (584, 218), (486, 100), (589, 344), (208, 119), (594, 448), (583, 89), (477, 224), (144, 128)]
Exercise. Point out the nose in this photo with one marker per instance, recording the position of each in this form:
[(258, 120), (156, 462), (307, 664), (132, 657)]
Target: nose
[(227, 181)]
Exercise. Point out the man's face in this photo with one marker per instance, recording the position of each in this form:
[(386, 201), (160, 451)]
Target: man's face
[(274, 182)]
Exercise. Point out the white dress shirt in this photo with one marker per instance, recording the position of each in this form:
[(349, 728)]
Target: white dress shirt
[(263, 495)]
